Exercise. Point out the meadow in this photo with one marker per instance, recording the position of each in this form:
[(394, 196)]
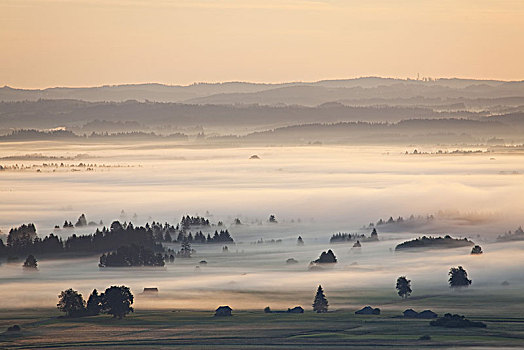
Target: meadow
[(314, 192)]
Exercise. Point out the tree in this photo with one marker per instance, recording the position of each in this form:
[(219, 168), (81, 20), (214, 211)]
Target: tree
[(320, 304), (458, 277), (185, 250), (94, 303), (272, 219), (476, 250), (326, 258), (30, 262), (21, 237), (71, 302), (117, 301), (300, 241), (403, 287), (374, 234), (81, 221), (237, 221)]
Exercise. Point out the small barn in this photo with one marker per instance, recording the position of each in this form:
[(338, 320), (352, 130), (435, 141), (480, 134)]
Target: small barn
[(296, 310), (427, 314), (368, 310), (223, 311), (410, 313)]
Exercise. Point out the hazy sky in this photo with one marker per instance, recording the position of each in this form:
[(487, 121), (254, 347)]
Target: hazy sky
[(91, 42)]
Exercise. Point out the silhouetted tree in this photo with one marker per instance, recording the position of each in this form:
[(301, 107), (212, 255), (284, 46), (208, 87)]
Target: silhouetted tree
[(22, 237), (458, 277), (30, 262), (71, 302), (320, 304), (300, 241), (476, 250), (326, 258), (81, 221), (237, 221), (94, 303), (403, 287), (185, 250), (374, 234), (117, 301), (272, 219)]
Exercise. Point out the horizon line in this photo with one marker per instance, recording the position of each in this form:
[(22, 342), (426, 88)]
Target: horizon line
[(257, 82)]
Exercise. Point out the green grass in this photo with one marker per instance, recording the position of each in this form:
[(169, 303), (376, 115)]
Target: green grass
[(43, 329)]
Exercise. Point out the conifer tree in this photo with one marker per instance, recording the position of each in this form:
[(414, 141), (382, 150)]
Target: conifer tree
[(320, 304)]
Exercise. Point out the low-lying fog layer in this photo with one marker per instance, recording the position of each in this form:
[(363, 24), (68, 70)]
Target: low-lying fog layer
[(330, 189)]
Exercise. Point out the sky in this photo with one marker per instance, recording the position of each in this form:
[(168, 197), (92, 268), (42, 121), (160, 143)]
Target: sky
[(47, 43)]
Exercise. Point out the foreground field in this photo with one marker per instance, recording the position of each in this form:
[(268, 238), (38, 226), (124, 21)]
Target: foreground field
[(254, 329)]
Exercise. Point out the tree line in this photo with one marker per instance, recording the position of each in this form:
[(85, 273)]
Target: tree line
[(115, 301)]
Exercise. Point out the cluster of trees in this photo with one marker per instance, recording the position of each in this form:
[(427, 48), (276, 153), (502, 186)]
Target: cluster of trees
[(435, 242), (131, 255), (81, 222), (517, 235), (188, 221), (456, 321), (116, 301), (185, 250), (476, 250), (24, 240), (222, 236), (30, 262), (349, 237), (326, 258), (169, 233), (401, 220)]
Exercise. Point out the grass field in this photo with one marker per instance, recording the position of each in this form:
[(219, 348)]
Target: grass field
[(502, 311)]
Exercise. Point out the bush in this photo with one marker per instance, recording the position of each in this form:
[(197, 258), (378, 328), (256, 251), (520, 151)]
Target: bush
[(456, 321)]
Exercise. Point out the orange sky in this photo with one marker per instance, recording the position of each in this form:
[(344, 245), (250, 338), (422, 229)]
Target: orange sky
[(93, 42)]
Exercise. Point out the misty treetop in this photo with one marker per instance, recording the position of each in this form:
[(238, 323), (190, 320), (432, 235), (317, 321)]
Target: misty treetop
[(326, 258), (24, 239), (434, 243), (517, 235), (30, 262), (21, 237), (349, 237), (132, 255), (188, 221)]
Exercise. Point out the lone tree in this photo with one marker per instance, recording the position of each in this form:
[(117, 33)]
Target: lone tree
[(458, 277), (272, 219), (82, 221), (403, 287), (300, 241), (94, 303), (71, 302), (30, 262), (476, 250), (117, 301), (320, 304), (185, 250)]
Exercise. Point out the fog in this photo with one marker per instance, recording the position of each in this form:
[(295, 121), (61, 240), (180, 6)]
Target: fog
[(314, 191)]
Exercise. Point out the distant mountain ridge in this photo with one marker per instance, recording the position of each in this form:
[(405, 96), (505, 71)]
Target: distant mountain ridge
[(302, 93)]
